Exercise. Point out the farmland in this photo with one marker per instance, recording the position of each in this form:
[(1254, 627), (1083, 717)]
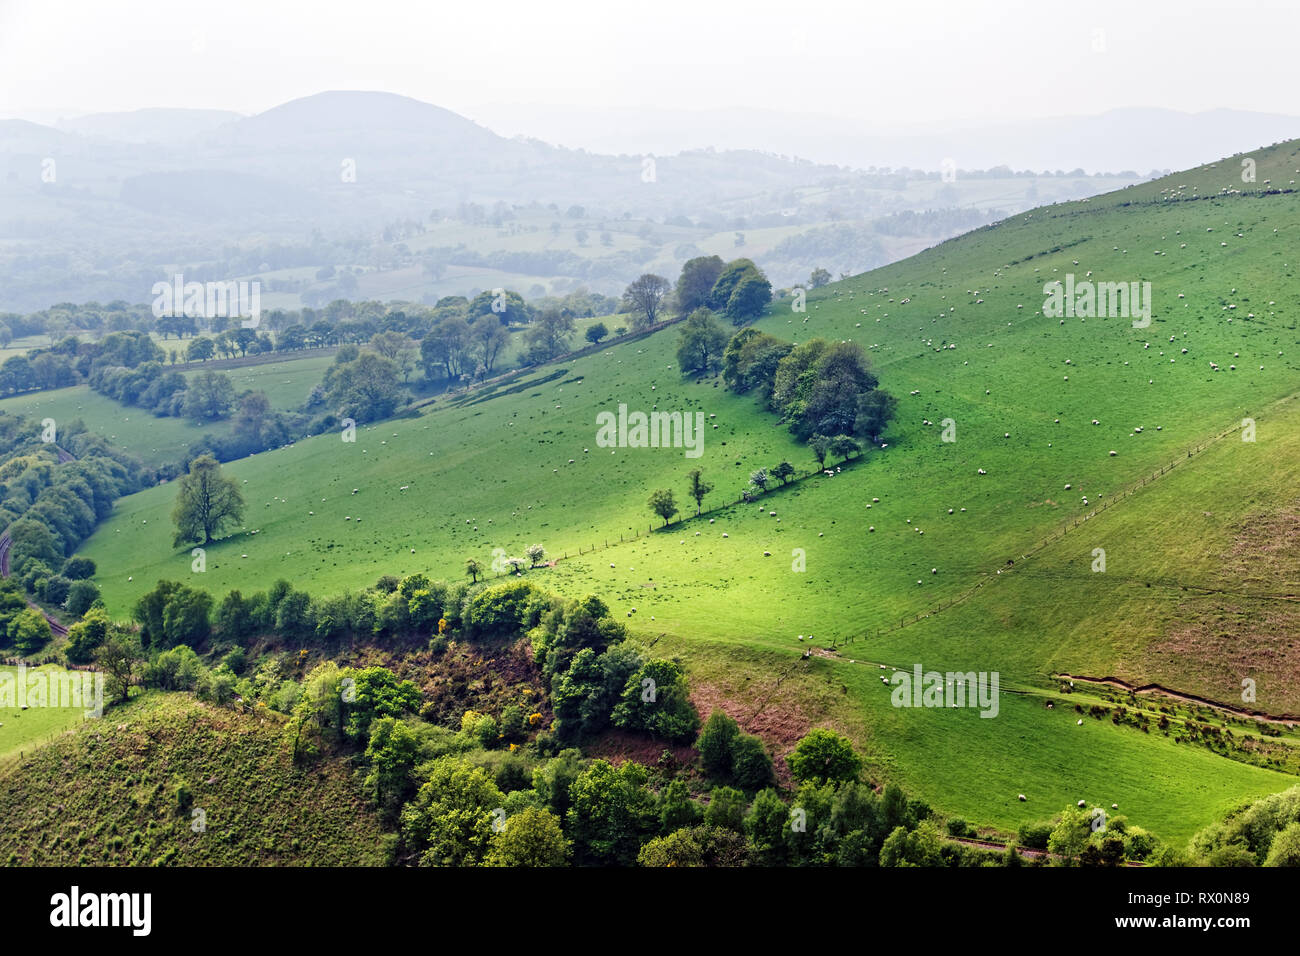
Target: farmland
[(1054, 420)]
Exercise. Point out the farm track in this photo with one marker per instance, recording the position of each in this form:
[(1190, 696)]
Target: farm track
[(1288, 720)]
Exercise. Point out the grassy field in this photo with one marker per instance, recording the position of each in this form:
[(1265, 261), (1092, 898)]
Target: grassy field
[(22, 729), (160, 440), (956, 333), (119, 782)]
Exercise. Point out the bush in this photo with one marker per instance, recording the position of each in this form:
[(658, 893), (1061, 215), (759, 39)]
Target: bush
[(751, 766), (487, 732), (512, 723), (715, 744), (1034, 835), (78, 568), (81, 595), (503, 609), (822, 756), (957, 827)]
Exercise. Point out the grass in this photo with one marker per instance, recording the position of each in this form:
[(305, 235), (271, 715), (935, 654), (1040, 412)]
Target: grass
[(163, 440), (118, 781), (24, 729), (1023, 390)]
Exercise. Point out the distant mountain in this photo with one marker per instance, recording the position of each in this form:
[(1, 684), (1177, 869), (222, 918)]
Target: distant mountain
[(169, 126), (1136, 139), (19, 136)]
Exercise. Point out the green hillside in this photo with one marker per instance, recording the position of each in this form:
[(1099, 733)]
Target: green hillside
[(955, 332), (128, 788)]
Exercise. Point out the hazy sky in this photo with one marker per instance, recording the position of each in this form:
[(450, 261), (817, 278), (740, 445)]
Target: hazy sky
[(898, 63)]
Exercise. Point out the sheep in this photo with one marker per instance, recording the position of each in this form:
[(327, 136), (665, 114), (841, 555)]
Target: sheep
[(1023, 798)]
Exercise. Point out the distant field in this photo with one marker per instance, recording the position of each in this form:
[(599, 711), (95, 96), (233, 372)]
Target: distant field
[(161, 440)]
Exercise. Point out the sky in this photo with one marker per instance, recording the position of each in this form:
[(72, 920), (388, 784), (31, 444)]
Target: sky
[(899, 64)]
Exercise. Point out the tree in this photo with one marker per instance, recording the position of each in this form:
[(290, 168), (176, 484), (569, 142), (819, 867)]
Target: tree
[(473, 568), (120, 657), (200, 349), (86, 635), (549, 336), (29, 631), (819, 278), (1070, 836), (698, 488), (535, 554), (206, 502), (208, 397), (531, 837), (610, 813), (78, 568), (252, 420), (875, 410), (644, 298), (751, 765), (596, 332), (715, 744), (702, 342), (391, 754), (823, 755), (750, 298), (844, 447), (728, 279), (696, 282), (695, 846), (487, 339), (656, 700), (373, 693), (450, 822), (821, 447), (81, 595), (726, 809), (364, 389), (758, 478), (783, 472), (662, 504)]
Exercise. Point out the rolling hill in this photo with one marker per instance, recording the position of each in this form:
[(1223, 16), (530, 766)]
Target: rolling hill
[(1072, 434)]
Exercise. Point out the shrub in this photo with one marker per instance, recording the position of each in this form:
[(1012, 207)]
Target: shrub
[(715, 744), (751, 765), (81, 595), (78, 568), (1034, 835)]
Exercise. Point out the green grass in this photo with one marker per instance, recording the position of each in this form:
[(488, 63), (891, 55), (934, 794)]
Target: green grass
[(461, 481), (24, 729), (163, 440), (117, 781)]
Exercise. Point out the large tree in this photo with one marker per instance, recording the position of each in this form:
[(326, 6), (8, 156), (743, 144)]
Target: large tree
[(697, 281), (662, 504), (209, 397), (206, 502), (702, 342), (365, 389), (645, 298)]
